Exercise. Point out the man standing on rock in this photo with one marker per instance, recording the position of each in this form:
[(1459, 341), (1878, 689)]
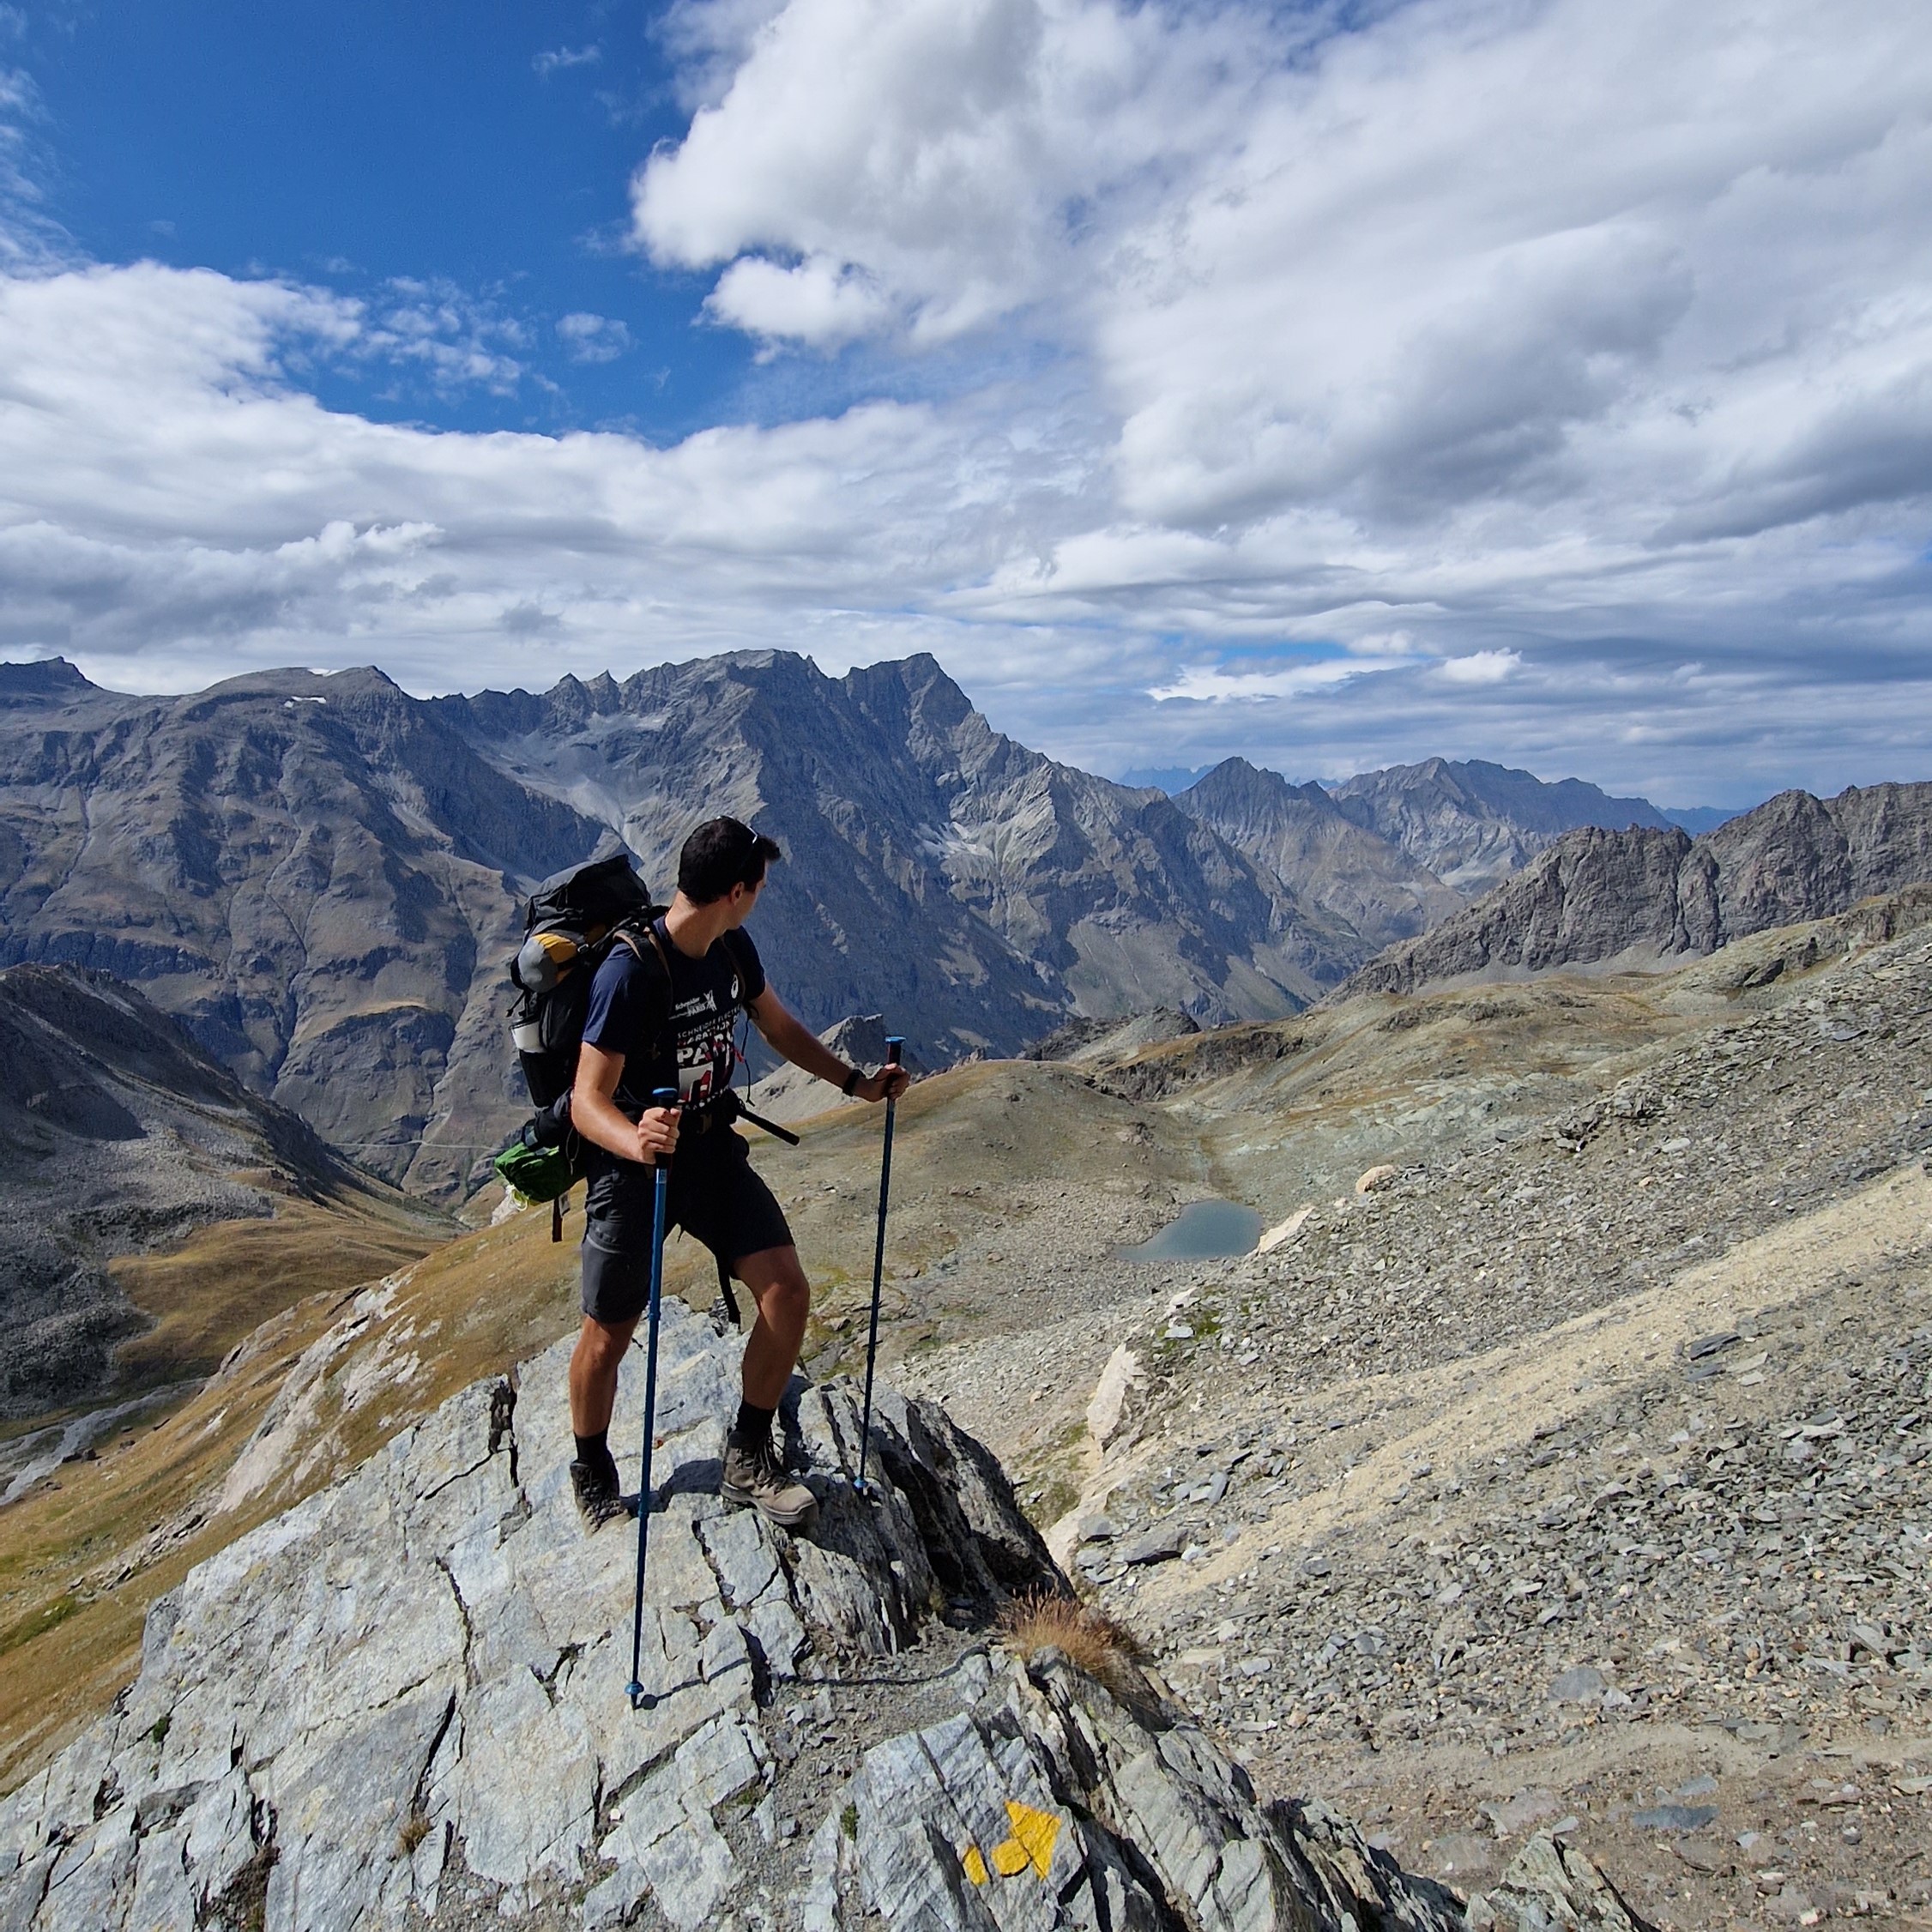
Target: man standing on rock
[(632, 1047)]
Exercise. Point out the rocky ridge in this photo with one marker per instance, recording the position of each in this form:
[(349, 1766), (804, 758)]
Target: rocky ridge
[(1472, 824), (1300, 832), (1647, 896), (400, 1703)]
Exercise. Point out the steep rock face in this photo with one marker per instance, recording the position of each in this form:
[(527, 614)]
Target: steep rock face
[(1299, 832), (1590, 896), (1596, 895), (116, 1132), (309, 872), (1797, 857), (1473, 823), (402, 1702)]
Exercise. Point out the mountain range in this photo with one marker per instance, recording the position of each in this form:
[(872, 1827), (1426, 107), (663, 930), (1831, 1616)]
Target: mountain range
[(322, 876)]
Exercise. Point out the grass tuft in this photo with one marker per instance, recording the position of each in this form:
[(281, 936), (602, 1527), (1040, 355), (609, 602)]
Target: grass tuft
[(1087, 1637), (415, 1829)]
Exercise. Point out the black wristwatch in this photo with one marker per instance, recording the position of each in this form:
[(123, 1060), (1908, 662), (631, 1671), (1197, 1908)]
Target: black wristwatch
[(852, 1079)]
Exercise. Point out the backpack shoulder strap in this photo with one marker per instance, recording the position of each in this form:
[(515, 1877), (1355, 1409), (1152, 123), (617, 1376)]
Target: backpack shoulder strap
[(649, 956)]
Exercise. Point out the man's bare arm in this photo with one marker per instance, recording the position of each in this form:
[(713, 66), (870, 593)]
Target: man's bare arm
[(786, 1034), (595, 1114)]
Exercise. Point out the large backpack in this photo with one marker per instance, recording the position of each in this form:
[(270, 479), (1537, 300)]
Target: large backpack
[(569, 924)]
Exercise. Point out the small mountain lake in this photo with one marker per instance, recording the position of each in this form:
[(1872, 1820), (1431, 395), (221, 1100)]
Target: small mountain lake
[(1202, 1231)]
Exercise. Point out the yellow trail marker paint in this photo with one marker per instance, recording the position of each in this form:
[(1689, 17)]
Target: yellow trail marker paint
[(1034, 1832), (1031, 1845)]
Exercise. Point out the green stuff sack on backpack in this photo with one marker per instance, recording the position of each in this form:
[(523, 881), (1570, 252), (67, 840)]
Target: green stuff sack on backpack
[(538, 1173)]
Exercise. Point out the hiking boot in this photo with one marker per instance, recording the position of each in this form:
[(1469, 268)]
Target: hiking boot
[(754, 1477), (597, 1500)]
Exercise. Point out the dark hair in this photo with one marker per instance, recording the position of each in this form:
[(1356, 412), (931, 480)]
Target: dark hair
[(721, 853)]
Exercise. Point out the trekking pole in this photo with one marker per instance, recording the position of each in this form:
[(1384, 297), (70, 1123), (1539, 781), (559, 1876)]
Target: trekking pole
[(663, 1096), (893, 1045)]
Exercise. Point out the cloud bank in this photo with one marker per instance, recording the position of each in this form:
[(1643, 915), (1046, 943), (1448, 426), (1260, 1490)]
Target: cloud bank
[(1543, 381)]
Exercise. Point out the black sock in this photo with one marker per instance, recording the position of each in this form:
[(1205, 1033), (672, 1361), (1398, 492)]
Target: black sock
[(753, 1424), (594, 1452)]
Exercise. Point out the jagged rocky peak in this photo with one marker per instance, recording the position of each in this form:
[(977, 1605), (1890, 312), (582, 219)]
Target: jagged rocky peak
[(1643, 896), (1235, 788), (403, 1703), (41, 680), (1298, 833)]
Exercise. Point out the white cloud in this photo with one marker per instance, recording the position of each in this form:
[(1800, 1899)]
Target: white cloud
[(592, 338), (1471, 265), (1216, 684), (559, 59), (951, 150), (814, 302), (442, 331), (1482, 667)]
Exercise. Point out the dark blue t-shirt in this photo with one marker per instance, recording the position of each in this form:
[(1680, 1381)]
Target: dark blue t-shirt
[(696, 1054)]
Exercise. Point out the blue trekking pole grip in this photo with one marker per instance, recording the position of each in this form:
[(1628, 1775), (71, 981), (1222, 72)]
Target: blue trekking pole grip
[(894, 1045), (663, 1096)]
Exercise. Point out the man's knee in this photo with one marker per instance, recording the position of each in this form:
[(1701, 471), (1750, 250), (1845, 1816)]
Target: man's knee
[(777, 1280), (601, 1345)]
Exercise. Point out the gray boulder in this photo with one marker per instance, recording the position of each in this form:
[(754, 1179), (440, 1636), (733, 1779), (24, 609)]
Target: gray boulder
[(1551, 1887)]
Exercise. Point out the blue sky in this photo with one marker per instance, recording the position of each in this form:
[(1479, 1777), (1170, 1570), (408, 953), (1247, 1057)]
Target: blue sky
[(483, 150), (1520, 379)]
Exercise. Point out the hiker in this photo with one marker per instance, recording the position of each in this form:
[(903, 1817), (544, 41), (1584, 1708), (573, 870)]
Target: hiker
[(716, 1196)]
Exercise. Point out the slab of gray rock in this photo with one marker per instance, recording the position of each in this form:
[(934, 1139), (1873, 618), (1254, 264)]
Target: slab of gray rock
[(409, 1689), (1551, 1887), (1053, 1803)]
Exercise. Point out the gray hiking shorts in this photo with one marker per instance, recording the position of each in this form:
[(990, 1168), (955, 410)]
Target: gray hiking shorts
[(717, 1197)]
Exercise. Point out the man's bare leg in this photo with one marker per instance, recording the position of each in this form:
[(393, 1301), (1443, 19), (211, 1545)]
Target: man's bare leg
[(778, 1285), (752, 1473), (594, 1361)]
